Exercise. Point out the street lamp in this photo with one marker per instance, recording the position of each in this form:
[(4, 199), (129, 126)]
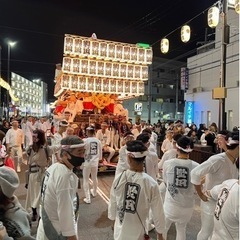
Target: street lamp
[(10, 44)]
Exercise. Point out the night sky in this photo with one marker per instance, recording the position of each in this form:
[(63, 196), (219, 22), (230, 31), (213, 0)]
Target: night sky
[(39, 26)]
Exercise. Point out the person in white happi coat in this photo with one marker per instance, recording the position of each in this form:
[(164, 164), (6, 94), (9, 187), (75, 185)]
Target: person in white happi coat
[(42, 124), (150, 167), (59, 204), (122, 164), (151, 146), (137, 129), (151, 160), (57, 137), (93, 153), (133, 194), (104, 136), (38, 159), (168, 141), (169, 154), (28, 131), (153, 137), (179, 198), (24, 127), (226, 214), (216, 169), (14, 143)]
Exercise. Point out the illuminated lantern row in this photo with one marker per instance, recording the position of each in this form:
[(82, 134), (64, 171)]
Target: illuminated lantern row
[(213, 20), (103, 85), (185, 37), (104, 69), (106, 50)]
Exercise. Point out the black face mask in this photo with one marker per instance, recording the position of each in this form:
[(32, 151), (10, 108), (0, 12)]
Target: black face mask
[(76, 161)]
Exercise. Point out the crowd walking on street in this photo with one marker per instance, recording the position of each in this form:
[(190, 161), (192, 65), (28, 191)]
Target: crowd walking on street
[(155, 184)]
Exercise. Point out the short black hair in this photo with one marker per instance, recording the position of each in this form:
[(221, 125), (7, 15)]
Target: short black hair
[(147, 130), (127, 133), (185, 142), (136, 146), (179, 121), (235, 136), (143, 137), (177, 136)]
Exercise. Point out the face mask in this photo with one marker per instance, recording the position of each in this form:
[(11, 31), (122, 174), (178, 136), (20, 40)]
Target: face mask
[(76, 161)]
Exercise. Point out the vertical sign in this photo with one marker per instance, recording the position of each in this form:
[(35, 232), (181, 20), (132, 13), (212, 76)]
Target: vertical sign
[(189, 116), (184, 78)]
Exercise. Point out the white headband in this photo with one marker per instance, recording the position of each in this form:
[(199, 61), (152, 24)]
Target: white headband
[(73, 146), (231, 141), (129, 135), (137, 154), (187, 150)]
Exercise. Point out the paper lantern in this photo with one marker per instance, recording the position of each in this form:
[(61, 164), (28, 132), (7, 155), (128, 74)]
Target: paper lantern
[(213, 16), (185, 33), (77, 46), (164, 45), (68, 45), (237, 6)]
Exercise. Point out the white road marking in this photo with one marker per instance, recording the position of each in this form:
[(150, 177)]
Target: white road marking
[(101, 193)]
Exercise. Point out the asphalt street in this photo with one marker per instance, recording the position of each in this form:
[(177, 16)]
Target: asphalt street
[(93, 223)]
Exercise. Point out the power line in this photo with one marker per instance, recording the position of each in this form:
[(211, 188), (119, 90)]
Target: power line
[(31, 31), (182, 25), (32, 62)]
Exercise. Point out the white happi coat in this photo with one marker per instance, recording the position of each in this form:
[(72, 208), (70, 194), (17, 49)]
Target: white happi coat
[(226, 215), (133, 194), (179, 199)]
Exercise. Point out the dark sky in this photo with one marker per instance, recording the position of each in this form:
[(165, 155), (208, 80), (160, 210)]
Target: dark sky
[(39, 26)]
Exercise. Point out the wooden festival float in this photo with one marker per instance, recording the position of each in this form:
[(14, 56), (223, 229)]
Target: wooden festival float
[(97, 75)]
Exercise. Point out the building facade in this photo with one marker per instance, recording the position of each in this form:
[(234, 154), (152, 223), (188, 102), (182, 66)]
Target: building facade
[(163, 98), (32, 96), (204, 76)]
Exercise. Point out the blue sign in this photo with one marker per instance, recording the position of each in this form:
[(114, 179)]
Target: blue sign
[(189, 114)]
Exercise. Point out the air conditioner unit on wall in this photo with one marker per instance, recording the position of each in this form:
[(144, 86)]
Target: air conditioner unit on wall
[(197, 89)]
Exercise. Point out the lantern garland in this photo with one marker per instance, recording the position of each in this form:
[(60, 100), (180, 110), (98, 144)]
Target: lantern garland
[(213, 20)]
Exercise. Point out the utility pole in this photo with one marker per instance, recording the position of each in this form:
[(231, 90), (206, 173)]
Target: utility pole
[(176, 107), (222, 82), (0, 74), (150, 93)]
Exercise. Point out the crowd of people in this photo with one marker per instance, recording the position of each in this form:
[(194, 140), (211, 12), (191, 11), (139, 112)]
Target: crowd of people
[(151, 190)]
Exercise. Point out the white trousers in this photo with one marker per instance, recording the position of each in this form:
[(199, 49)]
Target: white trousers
[(17, 154), (28, 140), (207, 220), (178, 215), (87, 171), (111, 153)]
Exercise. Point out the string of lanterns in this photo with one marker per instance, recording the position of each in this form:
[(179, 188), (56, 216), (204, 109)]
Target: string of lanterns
[(213, 20)]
